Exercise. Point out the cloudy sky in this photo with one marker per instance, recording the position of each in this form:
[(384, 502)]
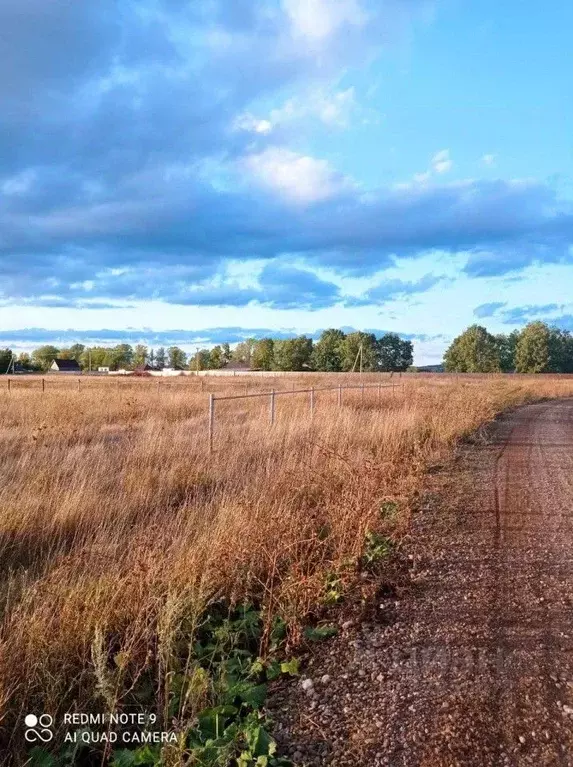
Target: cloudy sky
[(200, 170)]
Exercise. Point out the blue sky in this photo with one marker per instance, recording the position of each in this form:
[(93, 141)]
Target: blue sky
[(193, 172)]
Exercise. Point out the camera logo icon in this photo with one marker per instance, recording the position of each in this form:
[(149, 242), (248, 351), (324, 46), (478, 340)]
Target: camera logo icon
[(38, 728)]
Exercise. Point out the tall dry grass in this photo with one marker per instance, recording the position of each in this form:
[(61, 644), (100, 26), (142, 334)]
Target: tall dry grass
[(117, 527)]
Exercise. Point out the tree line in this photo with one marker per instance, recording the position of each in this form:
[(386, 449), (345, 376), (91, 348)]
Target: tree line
[(538, 348), (335, 351)]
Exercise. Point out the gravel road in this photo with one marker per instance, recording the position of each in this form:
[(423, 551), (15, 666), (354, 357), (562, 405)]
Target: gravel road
[(471, 663)]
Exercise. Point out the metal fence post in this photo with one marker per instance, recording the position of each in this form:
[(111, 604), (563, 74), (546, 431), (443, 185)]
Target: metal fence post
[(272, 407), (312, 402), (79, 384), (9, 382), (43, 384), (211, 420)]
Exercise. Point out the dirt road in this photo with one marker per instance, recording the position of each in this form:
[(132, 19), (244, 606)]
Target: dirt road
[(473, 664)]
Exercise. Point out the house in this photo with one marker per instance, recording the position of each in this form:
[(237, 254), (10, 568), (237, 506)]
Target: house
[(65, 366)]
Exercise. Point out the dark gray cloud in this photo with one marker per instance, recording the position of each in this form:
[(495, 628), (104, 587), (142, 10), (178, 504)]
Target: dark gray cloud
[(119, 163)]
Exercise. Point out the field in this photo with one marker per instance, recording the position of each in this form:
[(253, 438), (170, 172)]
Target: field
[(118, 528)]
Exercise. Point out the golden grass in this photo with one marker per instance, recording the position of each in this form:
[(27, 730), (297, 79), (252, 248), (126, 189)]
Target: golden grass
[(116, 525)]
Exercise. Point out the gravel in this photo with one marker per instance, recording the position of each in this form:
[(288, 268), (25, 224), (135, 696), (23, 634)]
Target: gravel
[(471, 663)]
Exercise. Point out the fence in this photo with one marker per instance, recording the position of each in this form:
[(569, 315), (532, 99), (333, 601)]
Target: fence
[(272, 395), (11, 382)]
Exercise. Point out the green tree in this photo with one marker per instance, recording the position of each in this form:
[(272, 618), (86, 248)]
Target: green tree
[(216, 361), (72, 353), (201, 360), (140, 355), (541, 349), (393, 354), (177, 358), (43, 356), (160, 358), (24, 360), (328, 351), (359, 347), (506, 346), (5, 359), (227, 353), (94, 356), (562, 350), (293, 353), (262, 357), (474, 351), (75, 351), (244, 351)]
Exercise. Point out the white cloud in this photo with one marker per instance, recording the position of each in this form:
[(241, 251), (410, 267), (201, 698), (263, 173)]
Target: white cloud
[(333, 109), (297, 177), (488, 159), (248, 122), (318, 20), (19, 184), (441, 162)]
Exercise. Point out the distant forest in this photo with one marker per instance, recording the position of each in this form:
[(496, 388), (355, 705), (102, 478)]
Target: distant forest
[(335, 351), (538, 348)]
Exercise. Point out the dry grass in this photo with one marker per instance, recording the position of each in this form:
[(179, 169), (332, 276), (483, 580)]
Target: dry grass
[(116, 526)]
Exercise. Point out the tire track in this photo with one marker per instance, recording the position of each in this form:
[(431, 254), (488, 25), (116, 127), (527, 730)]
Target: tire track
[(477, 670)]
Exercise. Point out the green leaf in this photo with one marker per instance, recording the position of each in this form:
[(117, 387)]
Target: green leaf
[(41, 758), (290, 667), (253, 695), (274, 669), (141, 756), (320, 632), (213, 721), (124, 758), (257, 667)]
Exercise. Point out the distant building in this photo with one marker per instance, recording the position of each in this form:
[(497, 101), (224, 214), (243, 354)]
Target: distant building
[(103, 369), (65, 366), (146, 369)]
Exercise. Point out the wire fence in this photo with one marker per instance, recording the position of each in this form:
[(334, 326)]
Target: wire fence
[(273, 394), (85, 382)]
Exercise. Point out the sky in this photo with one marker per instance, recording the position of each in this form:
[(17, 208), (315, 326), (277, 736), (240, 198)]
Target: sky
[(201, 171)]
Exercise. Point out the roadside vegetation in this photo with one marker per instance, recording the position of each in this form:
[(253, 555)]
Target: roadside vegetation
[(538, 348), (142, 574)]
